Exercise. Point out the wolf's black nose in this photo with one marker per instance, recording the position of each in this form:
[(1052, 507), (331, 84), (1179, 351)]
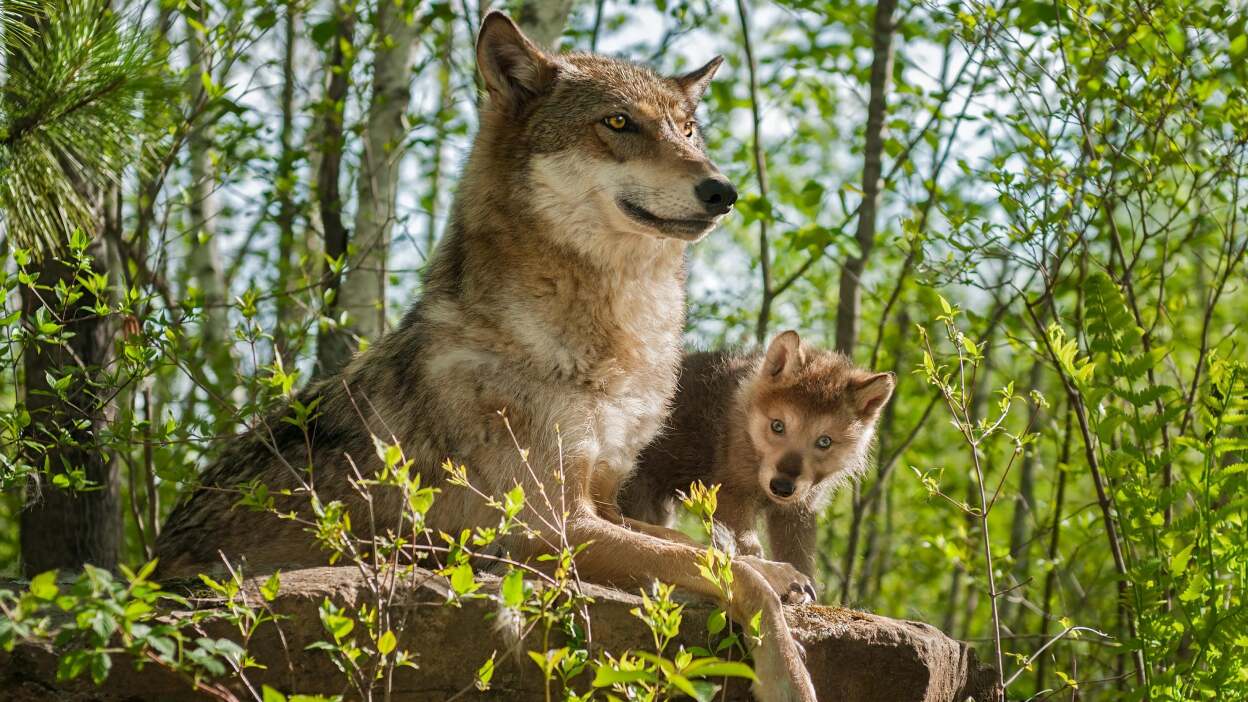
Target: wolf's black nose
[(782, 487), (716, 194)]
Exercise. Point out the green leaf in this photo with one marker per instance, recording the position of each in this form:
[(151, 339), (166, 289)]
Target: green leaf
[(1238, 45), (1178, 562), (716, 668), (485, 673), (606, 676), (271, 695), (337, 625), (270, 587), (43, 586), (682, 683), (1195, 588), (387, 642), (461, 579), (513, 588), (716, 622), (101, 663)]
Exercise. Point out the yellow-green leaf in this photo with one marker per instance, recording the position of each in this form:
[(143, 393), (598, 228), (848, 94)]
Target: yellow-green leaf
[(387, 642)]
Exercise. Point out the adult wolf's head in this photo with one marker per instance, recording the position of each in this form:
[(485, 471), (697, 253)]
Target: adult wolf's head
[(597, 146)]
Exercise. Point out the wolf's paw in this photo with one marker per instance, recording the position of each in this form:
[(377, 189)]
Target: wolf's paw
[(790, 584)]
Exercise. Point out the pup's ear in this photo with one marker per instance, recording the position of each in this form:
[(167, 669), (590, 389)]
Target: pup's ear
[(784, 356), (871, 394), (514, 69), (695, 82)]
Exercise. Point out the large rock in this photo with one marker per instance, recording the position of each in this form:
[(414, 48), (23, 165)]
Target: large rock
[(852, 656)]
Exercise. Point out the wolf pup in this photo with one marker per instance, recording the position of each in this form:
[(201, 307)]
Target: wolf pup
[(555, 295), (779, 432)]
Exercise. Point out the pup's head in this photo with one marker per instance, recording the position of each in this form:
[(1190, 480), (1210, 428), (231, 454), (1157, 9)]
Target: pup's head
[(602, 147), (811, 417)]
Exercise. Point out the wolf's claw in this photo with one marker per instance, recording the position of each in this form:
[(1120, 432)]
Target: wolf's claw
[(790, 584)]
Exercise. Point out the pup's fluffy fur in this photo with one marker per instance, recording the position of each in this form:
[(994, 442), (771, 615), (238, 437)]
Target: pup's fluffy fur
[(779, 432)]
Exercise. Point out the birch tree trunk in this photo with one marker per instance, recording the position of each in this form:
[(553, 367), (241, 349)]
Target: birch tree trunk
[(204, 258), (363, 292), (543, 20), (445, 103)]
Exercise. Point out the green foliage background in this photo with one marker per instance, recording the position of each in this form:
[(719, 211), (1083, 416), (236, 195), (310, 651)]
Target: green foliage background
[(1056, 273)]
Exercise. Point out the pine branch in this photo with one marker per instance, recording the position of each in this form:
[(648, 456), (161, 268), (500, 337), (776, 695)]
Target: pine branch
[(69, 114)]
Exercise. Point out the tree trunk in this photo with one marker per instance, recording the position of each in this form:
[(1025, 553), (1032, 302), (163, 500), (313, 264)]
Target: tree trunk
[(1024, 504), (205, 260), (331, 348), (61, 527), (441, 122), (363, 292), (874, 536), (847, 307), (285, 185), (1055, 535), (543, 20)]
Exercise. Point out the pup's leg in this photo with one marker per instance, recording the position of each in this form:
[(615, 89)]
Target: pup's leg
[(793, 536), (625, 558), (739, 515)]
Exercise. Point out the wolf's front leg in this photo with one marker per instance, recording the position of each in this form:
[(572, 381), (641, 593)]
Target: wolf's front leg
[(625, 558)]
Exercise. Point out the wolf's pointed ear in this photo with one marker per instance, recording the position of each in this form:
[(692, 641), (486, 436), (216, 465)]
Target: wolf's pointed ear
[(871, 394), (515, 69), (784, 356), (694, 82)]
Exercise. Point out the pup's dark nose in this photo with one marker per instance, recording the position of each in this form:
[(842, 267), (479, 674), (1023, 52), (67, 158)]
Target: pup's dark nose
[(716, 194), (782, 487)]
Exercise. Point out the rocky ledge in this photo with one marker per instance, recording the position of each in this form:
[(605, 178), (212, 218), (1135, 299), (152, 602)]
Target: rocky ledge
[(852, 656)]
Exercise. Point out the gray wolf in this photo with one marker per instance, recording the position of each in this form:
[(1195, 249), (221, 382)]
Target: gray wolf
[(556, 294)]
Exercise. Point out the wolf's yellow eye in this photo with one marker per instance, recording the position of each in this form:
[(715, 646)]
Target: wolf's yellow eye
[(616, 122), (824, 442), (689, 129), (777, 426)]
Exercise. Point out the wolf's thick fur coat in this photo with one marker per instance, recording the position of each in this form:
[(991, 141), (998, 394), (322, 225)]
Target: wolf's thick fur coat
[(555, 295)]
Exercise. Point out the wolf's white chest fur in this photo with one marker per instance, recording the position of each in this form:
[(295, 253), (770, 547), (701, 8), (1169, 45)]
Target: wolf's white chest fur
[(599, 365)]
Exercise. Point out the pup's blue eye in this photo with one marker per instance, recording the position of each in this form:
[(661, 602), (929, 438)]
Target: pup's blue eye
[(777, 426), (617, 122), (823, 442)]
